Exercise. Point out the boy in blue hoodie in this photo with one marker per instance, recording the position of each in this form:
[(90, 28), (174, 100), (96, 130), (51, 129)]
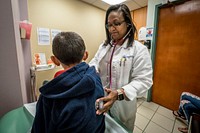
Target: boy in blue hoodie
[(67, 103)]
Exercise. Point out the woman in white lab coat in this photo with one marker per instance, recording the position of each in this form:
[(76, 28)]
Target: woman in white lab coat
[(124, 65)]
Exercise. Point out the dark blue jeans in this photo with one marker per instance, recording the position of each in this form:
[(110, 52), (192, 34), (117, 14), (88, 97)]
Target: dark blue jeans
[(189, 103)]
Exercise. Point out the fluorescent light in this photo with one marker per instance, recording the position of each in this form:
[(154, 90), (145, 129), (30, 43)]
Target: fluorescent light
[(113, 2)]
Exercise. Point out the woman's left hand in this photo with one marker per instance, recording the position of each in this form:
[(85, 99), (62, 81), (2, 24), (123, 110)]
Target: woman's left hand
[(107, 100)]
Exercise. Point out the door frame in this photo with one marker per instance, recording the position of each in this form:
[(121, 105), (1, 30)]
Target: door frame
[(153, 44)]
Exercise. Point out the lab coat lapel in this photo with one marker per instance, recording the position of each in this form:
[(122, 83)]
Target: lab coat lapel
[(104, 51)]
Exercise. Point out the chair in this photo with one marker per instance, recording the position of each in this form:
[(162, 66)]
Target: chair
[(194, 125)]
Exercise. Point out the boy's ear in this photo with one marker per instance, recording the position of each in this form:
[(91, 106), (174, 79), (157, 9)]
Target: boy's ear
[(85, 56), (55, 60)]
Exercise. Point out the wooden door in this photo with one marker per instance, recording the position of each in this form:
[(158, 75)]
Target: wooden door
[(177, 53), (139, 18)]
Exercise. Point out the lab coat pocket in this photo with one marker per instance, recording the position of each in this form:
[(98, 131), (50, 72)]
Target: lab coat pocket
[(126, 67)]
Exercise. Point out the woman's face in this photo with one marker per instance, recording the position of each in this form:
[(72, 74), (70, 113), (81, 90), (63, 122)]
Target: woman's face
[(116, 25)]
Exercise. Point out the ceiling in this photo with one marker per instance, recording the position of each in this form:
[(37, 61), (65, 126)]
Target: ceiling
[(132, 4)]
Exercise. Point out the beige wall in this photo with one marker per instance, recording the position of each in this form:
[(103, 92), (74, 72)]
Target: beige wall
[(65, 15)]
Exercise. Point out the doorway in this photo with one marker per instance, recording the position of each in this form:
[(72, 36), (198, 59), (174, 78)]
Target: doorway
[(176, 52)]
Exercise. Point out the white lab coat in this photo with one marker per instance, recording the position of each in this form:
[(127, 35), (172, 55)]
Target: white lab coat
[(133, 73)]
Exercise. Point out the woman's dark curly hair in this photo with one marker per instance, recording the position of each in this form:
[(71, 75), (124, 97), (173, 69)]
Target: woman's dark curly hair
[(127, 17)]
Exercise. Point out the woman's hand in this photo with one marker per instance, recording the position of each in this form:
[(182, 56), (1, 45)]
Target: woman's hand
[(107, 100)]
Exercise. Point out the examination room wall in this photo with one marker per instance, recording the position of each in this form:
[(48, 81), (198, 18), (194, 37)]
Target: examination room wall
[(14, 56), (65, 15)]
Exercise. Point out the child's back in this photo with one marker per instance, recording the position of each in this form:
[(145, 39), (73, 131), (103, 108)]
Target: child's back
[(67, 103)]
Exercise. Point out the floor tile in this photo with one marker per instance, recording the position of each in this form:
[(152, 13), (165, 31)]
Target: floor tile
[(141, 121), (137, 130), (163, 122), (140, 100), (146, 112), (138, 104), (178, 124), (154, 128), (166, 112), (151, 105), (154, 118)]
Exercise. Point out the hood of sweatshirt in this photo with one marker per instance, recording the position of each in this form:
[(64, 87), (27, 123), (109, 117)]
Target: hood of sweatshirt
[(74, 82), (67, 103)]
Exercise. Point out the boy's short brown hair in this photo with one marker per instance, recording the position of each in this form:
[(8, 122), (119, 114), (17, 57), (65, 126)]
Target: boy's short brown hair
[(68, 47)]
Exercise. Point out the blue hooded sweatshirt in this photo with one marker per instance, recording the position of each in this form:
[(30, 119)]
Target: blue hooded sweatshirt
[(67, 103)]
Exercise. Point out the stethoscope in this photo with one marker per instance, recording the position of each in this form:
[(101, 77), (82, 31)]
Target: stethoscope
[(112, 53)]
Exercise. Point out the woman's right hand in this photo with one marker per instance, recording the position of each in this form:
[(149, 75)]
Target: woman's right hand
[(107, 100)]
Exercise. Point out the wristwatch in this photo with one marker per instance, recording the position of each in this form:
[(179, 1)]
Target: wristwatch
[(120, 95)]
